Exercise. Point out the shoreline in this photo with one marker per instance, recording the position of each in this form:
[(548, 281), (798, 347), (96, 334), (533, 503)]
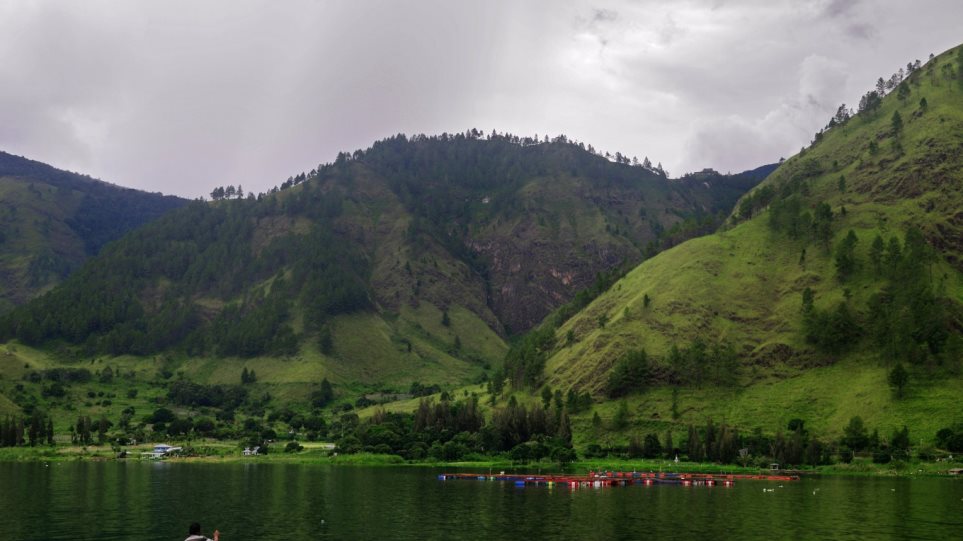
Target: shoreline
[(859, 467)]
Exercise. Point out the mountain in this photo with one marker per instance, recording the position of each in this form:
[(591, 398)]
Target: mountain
[(845, 262), (412, 260), (51, 221), (832, 291)]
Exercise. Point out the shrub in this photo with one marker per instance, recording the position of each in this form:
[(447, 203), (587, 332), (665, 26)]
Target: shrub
[(594, 450), (293, 447), (564, 455), (955, 443), (881, 456)]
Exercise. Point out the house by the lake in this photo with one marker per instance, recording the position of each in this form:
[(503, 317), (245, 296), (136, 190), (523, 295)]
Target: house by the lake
[(161, 450)]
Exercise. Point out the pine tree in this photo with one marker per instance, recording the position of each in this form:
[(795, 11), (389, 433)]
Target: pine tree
[(327, 391), (546, 396), (621, 418), (897, 123), (902, 91), (846, 256), (898, 378), (564, 432), (651, 447), (34, 430), (694, 447), (854, 435), (900, 442), (876, 254), (102, 425), (634, 448)]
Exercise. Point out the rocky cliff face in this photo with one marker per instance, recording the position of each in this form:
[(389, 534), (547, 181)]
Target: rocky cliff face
[(435, 248), (512, 231)]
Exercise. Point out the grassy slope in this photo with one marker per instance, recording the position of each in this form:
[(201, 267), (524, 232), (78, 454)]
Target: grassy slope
[(34, 224), (50, 223), (744, 285), (370, 349), (566, 224)]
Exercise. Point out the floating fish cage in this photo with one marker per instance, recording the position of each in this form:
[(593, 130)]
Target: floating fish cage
[(609, 479)]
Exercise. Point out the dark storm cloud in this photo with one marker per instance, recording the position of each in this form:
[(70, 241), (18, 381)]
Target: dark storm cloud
[(183, 96)]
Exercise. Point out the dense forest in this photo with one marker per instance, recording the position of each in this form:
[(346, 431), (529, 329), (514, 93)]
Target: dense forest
[(106, 211), (138, 297), (231, 276)]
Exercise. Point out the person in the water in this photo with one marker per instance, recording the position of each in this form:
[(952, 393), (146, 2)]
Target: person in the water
[(194, 533)]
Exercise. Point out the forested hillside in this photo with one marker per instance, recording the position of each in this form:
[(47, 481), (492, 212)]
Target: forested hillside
[(827, 304), (822, 323), (834, 291), (51, 221), (482, 235)]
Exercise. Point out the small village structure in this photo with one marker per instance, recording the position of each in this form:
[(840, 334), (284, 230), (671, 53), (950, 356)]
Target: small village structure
[(161, 451)]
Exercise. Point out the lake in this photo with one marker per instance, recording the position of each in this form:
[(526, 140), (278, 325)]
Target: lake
[(258, 501)]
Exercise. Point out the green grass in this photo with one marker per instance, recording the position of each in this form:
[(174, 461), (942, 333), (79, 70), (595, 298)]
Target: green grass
[(369, 355), (826, 398), (230, 452), (37, 227), (743, 285)]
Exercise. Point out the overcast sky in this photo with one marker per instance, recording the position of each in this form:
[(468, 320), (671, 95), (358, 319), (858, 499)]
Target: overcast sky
[(181, 97)]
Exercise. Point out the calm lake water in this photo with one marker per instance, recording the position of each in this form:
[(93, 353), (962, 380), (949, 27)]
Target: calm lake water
[(156, 501)]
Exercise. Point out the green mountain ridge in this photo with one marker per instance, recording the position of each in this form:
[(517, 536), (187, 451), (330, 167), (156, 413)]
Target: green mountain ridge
[(743, 287), (393, 266), (419, 259), (488, 234), (51, 221)]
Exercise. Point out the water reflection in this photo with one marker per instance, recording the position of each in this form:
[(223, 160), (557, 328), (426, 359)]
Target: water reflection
[(144, 501)]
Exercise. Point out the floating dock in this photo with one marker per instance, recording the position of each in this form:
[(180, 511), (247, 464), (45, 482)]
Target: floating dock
[(608, 479)]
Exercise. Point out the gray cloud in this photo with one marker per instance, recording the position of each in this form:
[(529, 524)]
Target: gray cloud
[(838, 8), (183, 96), (861, 31)]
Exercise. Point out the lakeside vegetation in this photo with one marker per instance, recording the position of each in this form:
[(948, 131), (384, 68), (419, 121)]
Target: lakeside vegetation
[(477, 426), (211, 452), (820, 330)]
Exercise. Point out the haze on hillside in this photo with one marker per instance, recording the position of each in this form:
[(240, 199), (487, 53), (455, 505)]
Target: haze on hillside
[(180, 97)]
